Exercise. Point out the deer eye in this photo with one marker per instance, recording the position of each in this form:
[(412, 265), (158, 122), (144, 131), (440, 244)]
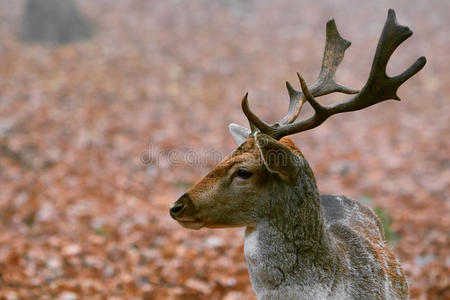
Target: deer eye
[(243, 173)]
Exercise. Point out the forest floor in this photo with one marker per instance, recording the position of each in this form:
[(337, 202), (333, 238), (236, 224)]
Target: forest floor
[(97, 139)]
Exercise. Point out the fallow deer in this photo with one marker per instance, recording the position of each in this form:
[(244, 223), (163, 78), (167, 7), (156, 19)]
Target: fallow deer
[(300, 244)]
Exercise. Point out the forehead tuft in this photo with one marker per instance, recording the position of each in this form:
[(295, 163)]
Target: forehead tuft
[(250, 147), (247, 150), (247, 146)]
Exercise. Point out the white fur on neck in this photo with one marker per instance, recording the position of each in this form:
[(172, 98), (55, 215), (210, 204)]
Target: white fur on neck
[(259, 267)]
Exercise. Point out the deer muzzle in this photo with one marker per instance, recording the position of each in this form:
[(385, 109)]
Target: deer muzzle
[(182, 212)]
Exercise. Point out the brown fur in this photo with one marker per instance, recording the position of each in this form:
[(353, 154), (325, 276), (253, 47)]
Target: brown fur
[(308, 245)]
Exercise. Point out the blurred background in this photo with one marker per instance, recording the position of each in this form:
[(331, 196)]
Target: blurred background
[(110, 110)]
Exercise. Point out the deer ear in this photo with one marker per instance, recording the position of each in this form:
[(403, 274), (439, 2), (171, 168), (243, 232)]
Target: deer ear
[(277, 158), (239, 133)]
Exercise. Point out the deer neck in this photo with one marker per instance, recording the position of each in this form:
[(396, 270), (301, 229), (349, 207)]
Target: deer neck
[(290, 246)]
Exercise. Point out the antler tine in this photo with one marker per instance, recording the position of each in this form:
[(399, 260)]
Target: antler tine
[(333, 55), (254, 121), (379, 86)]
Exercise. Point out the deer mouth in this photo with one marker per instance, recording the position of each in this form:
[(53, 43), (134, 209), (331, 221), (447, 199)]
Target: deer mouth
[(191, 224), (185, 219)]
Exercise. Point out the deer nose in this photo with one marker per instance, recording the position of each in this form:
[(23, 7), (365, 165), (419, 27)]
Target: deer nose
[(174, 210), (179, 205)]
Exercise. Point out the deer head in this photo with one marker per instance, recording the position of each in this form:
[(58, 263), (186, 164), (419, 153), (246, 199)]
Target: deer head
[(240, 190), (235, 192)]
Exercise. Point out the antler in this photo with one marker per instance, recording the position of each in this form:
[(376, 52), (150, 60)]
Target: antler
[(379, 86)]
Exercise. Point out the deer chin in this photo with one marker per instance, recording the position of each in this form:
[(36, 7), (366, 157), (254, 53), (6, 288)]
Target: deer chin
[(191, 224)]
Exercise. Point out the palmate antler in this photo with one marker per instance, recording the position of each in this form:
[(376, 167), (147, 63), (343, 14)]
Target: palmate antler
[(379, 86)]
